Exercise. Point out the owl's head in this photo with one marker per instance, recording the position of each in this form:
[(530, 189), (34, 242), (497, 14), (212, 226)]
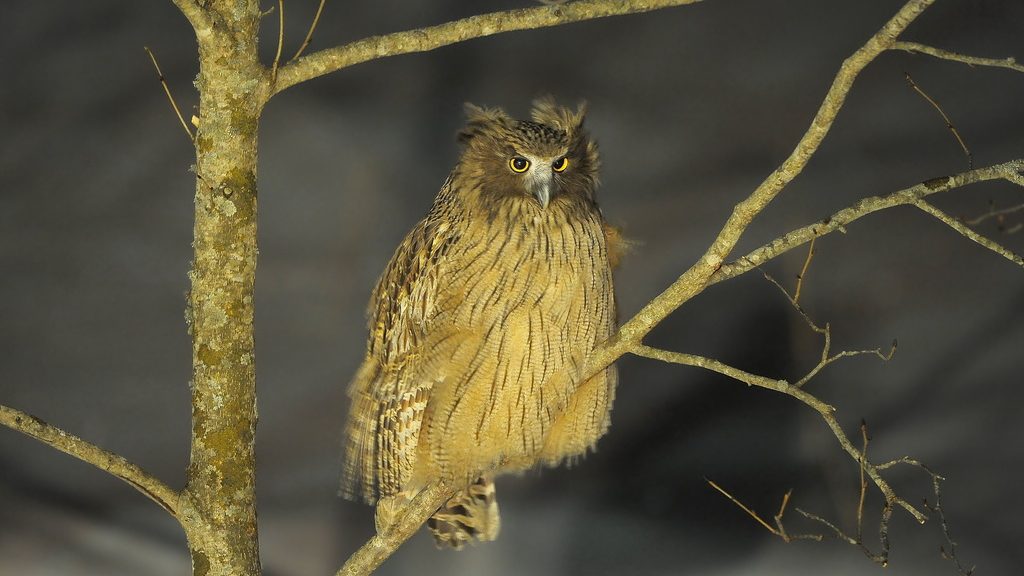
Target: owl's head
[(549, 158)]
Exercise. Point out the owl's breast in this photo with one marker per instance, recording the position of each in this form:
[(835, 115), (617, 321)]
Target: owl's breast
[(526, 303)]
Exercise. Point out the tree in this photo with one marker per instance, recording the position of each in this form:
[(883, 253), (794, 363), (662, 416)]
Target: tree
[(217, 507)]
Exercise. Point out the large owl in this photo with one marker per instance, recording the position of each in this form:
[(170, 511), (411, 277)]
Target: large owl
[(481, 323)]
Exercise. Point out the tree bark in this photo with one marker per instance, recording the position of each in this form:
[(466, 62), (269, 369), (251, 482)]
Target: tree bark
[(220, 492)]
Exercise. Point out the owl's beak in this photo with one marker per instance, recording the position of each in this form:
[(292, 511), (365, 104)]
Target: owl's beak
[(540, 186)]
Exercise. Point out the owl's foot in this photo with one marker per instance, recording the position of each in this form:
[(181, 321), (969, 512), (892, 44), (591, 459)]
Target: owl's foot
[(469, 515)]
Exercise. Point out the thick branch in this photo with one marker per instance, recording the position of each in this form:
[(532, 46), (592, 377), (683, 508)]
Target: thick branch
[(1008, 63), (424, 39), (826, 411), (109, 462), (382, 546), (1009, 171), (195, 14)]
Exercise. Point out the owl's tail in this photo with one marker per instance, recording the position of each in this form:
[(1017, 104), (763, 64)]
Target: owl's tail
[(470, 515)]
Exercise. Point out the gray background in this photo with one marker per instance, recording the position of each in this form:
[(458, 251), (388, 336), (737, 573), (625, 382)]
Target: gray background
[(693, 107)]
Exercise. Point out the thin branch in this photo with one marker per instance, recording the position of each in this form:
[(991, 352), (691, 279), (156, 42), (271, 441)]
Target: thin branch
[(803, 273), (826, 333), (779, 530), (116, 465), (1009, 171), (309, 34), (993, 212), (170, 98), (1008, 63), (937, 509), (332, 59), (863, 481), (381, 546), (949, 123), (882, 558), (280, 41), (826, 411), (970, 234)]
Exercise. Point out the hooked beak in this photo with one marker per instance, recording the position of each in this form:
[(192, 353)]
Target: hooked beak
[(540, 186)]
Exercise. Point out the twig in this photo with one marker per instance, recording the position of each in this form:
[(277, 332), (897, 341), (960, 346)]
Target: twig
[(309, 34), (824, 410), (826, 333), (116, 465), (1008, 63), (968, 233), (863, 481), (994, 213), (170, 98), (937, 509), (779, 530), (949, 123), (331, 59), (381, 546), (280, 42), (743, 506), (803, 272), (882, 558), (1000, 216)]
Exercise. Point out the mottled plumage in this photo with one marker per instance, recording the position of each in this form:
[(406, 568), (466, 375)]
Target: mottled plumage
[(480, 323)]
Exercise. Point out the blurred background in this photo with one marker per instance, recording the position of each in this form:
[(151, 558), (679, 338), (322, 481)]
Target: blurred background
[(693, 107)]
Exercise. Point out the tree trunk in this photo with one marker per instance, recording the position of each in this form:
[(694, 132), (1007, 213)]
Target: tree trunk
[(220, 492)]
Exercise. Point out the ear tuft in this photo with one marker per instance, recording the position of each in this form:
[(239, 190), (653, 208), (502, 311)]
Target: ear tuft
[(546, 111), (478, 120)]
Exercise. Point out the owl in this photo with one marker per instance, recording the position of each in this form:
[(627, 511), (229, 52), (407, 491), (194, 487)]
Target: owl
[(481, 323)]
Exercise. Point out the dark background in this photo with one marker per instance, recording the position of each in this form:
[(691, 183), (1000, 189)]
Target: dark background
[(693, 107)]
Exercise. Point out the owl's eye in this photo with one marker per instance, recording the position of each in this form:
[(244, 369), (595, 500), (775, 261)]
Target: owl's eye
[(560, 165), (518, 164)]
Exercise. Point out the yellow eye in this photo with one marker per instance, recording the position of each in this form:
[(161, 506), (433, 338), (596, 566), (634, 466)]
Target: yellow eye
[(560, 165), (518, 164)]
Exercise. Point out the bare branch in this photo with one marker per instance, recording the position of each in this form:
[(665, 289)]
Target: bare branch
[(116, 465), (1009, 171), (882, 557), (280, 41), (381, 546), (949, 123), (993, 212), (1008, 63), (779, 530), (826, 333), (170, 98), (937, 509), (826, 411), (968, 233), (803, 273), (309, 34), (424, 39)]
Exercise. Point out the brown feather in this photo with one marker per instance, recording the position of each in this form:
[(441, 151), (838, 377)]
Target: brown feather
[(480, 325)]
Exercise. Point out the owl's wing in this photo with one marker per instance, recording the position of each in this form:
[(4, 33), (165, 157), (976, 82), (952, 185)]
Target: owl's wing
[(387, 401)]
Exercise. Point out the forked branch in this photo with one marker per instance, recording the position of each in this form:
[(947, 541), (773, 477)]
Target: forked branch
[(823, 409)]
